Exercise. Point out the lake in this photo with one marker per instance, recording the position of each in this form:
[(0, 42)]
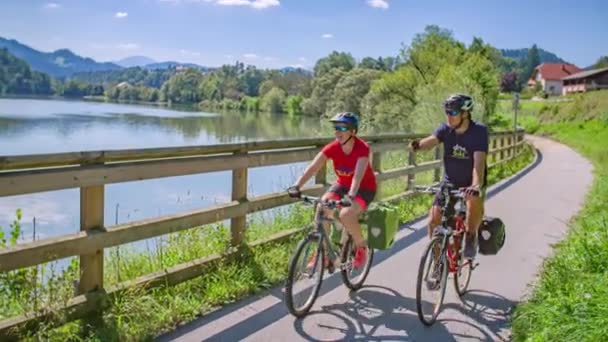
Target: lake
[(33, 126)]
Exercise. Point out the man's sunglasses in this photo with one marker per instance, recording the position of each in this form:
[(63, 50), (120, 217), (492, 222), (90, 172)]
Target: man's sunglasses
[(341, 128), (452, 112)]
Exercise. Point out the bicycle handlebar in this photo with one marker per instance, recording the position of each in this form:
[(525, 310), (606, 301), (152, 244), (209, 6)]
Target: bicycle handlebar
[(330, 204), (439, 188)]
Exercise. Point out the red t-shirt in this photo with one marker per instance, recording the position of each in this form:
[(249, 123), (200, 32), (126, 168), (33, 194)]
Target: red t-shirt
[(344, 164)]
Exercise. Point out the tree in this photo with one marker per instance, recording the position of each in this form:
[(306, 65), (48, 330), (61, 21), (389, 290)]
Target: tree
[(602, 62), (508, 82), (335, 60), (273, 100), (371, 63), (252, 78), (531, 61), (293, 106), (322, 92), (183, 87), (351, 89)]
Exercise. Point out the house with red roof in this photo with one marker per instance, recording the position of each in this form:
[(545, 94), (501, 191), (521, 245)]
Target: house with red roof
[(550, 76)]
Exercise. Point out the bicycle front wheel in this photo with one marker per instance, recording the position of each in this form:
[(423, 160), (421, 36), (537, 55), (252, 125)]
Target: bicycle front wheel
[(305, 276), (353, 277), (431, 282), (462, 276)]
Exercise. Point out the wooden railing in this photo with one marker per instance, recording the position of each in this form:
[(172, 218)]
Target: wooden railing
[(91, 171)]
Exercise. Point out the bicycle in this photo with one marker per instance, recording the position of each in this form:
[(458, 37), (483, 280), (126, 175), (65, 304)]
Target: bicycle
[(317, 240), (444, 252)]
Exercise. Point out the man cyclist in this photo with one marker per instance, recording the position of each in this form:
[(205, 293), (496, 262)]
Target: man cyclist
[(356, 182), (465, 143)]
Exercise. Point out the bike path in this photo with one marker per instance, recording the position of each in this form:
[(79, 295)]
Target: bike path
[(535, 206)]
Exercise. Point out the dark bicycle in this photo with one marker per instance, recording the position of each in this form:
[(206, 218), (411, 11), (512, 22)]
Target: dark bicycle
[(443, 253), (310, 260)]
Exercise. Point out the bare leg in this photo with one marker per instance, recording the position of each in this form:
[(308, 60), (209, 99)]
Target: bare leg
[(350, 219), (434, 219)]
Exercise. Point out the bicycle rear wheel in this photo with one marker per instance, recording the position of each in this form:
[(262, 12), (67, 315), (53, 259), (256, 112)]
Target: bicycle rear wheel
[(352, 277), (432, 278), (305, 276)]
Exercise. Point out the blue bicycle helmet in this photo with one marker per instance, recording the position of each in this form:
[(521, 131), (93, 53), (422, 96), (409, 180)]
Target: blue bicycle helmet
[(348, 118)]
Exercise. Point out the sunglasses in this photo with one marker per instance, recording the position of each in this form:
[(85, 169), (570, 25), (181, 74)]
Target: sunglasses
[(452, 112), (341, 128)]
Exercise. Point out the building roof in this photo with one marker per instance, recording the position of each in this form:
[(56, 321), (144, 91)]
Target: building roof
[(557, 71), (584, 74)]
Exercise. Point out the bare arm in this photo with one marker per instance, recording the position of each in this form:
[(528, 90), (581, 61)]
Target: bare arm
[(426, 143), (312, 169), (479, 160), (359, 172)]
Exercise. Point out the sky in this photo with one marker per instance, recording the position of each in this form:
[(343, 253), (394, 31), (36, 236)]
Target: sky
[(279, 33)]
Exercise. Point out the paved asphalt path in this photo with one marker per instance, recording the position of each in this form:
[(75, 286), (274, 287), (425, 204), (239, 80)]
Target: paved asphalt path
[(535, 206)]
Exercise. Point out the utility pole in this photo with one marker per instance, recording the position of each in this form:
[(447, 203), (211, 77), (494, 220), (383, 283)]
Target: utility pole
[(515, 135)]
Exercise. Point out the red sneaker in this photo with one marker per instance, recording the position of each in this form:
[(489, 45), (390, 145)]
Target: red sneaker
[(360, 257)]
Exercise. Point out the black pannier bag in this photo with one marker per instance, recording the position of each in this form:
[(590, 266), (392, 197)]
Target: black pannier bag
[(491, 235)]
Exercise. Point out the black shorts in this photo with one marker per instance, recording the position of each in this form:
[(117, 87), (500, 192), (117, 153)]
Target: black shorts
[(364, 197)]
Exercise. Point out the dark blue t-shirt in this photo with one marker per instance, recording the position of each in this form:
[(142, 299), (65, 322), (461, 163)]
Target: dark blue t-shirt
[(458, 152)]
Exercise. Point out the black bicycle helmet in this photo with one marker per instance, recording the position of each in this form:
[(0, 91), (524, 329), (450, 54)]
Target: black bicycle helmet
[(458, 102)]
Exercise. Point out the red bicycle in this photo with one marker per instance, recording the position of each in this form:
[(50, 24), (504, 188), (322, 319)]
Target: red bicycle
[(443, 253)]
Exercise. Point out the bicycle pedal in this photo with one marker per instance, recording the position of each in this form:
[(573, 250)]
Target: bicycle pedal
[(474, 265)]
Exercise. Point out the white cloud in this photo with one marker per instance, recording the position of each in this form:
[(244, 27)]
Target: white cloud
[(302, 59), (189, 53), (301, 66), (261, 4), (120, 15), (257, 4), (128, 46), (229, 56), (378, 3), (52, 5), (250, 56), (270, 59), (327, 35)]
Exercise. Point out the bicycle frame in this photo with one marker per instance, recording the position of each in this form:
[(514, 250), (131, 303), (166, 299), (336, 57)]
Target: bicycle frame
[(319, 231), (451, 248)]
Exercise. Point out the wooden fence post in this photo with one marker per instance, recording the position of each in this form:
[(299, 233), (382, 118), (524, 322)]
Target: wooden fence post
[(91, 217), (438, 156), (239, 194), (502, 144), (377, 167), (321, 176), (411, 178)]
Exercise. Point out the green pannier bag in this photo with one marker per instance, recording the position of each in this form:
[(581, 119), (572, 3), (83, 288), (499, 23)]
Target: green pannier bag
[(382, 225)]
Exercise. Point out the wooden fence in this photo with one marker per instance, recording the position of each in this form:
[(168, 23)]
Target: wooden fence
[(91, 171)]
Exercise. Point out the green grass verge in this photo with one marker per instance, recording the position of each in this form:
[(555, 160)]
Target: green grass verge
[(570, 301), (142, 315)]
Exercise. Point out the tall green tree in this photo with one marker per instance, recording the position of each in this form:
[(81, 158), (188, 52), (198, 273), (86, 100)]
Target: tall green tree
[(273, 101), (335, 60), (602, 62), (183, 87)]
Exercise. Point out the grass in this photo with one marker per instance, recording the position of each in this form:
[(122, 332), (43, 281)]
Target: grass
[(142, 315), (570, 301)]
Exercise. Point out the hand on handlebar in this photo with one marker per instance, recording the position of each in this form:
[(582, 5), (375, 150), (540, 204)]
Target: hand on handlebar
[(415, 145), (294, 191), (470, 192)]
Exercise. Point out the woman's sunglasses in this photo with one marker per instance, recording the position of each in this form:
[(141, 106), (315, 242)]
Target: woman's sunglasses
[(341, 128)]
